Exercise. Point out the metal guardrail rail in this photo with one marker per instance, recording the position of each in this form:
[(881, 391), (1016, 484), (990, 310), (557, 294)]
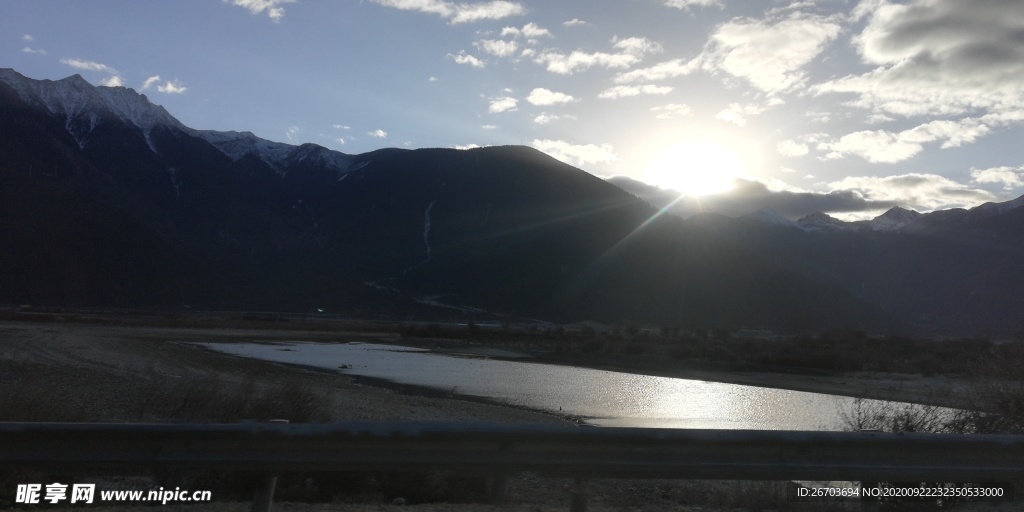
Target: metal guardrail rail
[(502, 449)]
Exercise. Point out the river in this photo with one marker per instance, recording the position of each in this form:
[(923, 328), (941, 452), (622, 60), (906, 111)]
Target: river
[(601, 397)]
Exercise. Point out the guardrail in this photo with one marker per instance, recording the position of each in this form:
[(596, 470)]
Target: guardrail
[(502, 449)]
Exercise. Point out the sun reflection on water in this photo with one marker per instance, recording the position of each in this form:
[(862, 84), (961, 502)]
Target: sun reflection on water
[(606, 398)]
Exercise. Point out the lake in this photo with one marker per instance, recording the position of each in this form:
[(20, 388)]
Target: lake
[(603, 398)]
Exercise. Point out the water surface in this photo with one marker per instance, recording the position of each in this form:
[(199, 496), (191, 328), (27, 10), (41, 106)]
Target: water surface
[(605, 398)]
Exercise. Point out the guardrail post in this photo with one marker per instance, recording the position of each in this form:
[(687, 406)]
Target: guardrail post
[(263, 497), (579, 496)]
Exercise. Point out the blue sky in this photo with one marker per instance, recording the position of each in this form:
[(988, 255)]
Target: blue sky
[(918, 103)]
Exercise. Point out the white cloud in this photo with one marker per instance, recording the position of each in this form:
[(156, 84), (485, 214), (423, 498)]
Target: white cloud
[(112, 81), (432, 79), (953, 133), (34, 51), (937, 57), (622, 91), (341, 127), (661, 71), (542, 96), (819, 117), (340, 140), (150, 81), (466, 146), (378, 133), (545, 118), (493, 10), (671, 110), (489, 127), (791, 148), (922, 192), (292, 134), (1009, 177), (774, 184), (530, 31), (272, 7), (576, 154), (459, 12), (28, 37), (88, 65), (439, 7), (464, 58), (874, 146), (171, 87), (878, 119), (636, 45), (881, 146), (503, 104), (686, 4), (574, 22), (631, 51), (737, 114), (497, 47), (771, 53)]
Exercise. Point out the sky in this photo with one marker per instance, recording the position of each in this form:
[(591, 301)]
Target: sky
[(848, 107)]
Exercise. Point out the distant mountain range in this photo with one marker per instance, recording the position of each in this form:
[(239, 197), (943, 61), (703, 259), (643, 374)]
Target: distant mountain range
[(108, 201)]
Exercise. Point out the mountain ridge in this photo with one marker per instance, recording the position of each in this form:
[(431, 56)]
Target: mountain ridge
[(161, 217)]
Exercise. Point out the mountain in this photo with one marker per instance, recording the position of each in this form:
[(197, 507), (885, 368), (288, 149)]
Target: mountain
[(950, 272), (110, 201), (894, 219), (768, 216)]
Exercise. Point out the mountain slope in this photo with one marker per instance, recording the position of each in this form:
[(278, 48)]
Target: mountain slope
[(143, 211), (948, 272)]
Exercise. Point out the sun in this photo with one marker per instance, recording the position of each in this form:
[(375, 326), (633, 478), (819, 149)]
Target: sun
[(695, 168)]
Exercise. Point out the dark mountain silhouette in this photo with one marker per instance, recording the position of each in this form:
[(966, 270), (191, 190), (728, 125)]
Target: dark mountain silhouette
[(946, 272), (107, 200)]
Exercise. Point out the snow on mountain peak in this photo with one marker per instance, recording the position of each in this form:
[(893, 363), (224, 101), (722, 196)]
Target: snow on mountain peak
[(894, 219), (74, 98), (82, 106), (819, 221), (997, 208), (769, 216), (238, 144)]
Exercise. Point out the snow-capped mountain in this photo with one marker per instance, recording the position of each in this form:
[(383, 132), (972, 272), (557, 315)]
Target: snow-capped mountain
[(132, 209), (894, 219), (109, 201), (822, 222), (83, 106), (997, 208)]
